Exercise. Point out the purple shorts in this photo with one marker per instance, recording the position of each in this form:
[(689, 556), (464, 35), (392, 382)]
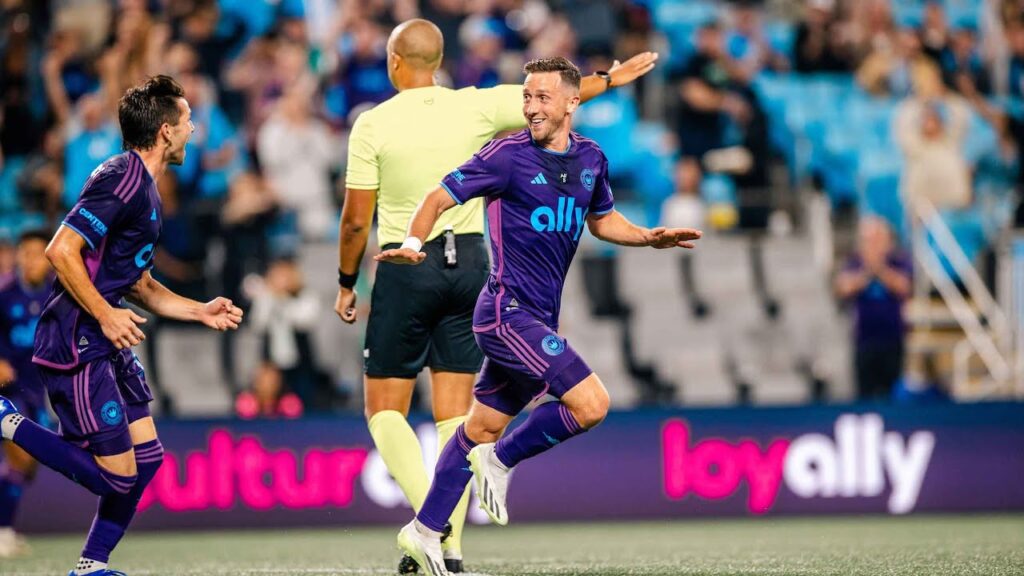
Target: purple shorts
[(524, 359), (96, 401)]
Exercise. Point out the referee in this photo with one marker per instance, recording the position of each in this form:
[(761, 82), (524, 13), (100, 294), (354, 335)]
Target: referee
[(423, 315)]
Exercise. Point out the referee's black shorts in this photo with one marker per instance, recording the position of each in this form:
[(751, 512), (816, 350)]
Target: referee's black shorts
[(423, 315)]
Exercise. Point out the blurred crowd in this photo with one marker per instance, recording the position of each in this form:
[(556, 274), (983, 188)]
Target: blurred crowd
[(274, 86)]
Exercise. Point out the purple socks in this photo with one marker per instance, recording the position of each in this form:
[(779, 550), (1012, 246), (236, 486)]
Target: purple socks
[(70, 460), (548, 425), (451, 475), (11, 484), (116, 511)]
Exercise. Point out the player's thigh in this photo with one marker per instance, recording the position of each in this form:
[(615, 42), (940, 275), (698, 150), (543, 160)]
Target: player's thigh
[(451, 394), (529, 349), (486, 424), (588, 401), (504, 390), (88, 403), (403, 310), (381, 394)]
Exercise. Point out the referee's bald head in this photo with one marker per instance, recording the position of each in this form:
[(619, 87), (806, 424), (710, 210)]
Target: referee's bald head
[(419, 43)]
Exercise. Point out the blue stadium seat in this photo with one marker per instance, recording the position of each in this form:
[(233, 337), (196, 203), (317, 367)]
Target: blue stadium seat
[(878, 187)]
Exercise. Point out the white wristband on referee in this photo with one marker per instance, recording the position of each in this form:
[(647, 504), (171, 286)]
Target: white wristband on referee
[(413, 242)]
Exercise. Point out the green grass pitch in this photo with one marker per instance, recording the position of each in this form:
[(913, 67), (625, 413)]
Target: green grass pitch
[(857, 546)]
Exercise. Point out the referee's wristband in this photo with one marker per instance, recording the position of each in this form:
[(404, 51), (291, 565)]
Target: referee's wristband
[(347, 280), (414, 243)]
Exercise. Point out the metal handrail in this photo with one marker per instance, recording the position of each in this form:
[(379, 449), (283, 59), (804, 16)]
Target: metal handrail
[(997, 361)]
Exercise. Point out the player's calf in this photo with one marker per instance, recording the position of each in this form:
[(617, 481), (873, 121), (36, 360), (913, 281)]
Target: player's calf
[(55, 452)]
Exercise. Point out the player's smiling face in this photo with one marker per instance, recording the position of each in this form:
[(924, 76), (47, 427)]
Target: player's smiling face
[(548, 105)]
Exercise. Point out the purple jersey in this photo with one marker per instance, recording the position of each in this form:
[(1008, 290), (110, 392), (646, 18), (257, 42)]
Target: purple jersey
[(20, 307), (537, 205), (119, 215)]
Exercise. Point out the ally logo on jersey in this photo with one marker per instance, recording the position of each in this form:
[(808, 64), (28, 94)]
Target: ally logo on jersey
[(566, 217)]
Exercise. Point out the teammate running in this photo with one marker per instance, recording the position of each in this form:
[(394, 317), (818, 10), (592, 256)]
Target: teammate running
[(542, 186), (103, 253), (21, 303)]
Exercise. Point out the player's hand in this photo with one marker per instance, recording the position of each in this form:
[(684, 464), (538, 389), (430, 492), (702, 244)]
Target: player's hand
[(345, 304), (625, 72), (120, 326), (221, 314), (7, 373), (662, 237), (401, 256)]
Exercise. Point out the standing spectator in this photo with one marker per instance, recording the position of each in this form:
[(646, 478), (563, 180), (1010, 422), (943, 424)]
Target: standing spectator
[(886, 71), (930, 128), (934, 31), (820, 40), (875, 282), (297, 153), (92, 136)]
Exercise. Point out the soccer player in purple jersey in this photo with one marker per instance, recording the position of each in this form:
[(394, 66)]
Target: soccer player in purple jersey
[(542, 186), (21, 302), (103, 253)]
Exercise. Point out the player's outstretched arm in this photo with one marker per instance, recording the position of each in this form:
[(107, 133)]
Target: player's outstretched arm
[(619, 74), (219, 313), (423, 220), (119, 325), (615, 228)]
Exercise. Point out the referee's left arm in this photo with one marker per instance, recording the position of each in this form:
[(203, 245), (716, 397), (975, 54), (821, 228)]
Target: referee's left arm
[(356, 221)]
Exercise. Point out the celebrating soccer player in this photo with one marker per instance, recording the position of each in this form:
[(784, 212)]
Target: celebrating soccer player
[(541, 186), (397, 152), (21, 303), (102, 253)]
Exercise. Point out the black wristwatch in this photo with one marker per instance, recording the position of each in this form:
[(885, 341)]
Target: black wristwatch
[(604, 76)]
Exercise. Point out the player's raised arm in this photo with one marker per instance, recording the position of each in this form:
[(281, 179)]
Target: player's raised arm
[(615, 228), (219, 313), (619, 74), (423, 220)]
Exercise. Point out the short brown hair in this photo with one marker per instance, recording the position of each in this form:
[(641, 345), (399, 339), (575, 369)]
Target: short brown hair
[(145, 108), (567, 70)]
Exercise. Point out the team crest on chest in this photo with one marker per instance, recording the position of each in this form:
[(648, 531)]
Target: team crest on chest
[(587, 178)]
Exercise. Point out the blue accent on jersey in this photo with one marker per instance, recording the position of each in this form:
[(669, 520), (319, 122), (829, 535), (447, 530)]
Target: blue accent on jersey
[(587, 178), (80, 233)]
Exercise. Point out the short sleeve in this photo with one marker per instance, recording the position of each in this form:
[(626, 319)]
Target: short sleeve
[(503, 106), (363, 171), (99, 208), (482, 175), (602, 202)]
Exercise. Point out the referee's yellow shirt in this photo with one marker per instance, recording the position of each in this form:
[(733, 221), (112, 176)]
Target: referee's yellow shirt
[(404, 147)]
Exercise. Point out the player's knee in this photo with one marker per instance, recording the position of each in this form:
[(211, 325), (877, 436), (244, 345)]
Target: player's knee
[(480, 432), (592, 412)]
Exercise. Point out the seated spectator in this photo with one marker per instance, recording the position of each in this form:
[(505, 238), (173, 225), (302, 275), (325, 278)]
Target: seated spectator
[(483, 47), (962, 66), (284, 314), (930, 127), (875, 281), (886, 70)]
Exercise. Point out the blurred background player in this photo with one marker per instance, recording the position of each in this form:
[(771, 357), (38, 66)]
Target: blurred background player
[(541, 185), (423, 317), (21, 302), (102, 254)]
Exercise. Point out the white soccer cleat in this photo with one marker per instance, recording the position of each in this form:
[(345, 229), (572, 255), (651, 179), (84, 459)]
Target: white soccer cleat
[(491, 482), (425, 550), (12, 544)]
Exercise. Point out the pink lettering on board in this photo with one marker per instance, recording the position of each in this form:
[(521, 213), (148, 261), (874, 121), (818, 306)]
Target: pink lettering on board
[(714, 468), (230, 471)]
